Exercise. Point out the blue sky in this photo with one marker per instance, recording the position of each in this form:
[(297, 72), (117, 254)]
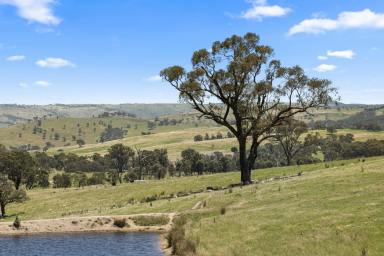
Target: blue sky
[(111, 51)]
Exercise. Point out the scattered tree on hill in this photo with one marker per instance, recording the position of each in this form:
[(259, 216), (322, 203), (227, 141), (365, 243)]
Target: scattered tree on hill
[(17, 165), (111, 134), (198, 138), (62, 181), (288, 135), (121, 155), (255, 92), (80, 142)]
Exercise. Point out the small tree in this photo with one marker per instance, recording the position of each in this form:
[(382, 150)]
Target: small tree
[(238, 85), (80, 142), (198, 138), (17, 165), (8, 194), (288, 135), (120, 156)]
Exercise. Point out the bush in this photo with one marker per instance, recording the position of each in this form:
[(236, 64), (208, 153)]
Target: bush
[(151, 220), (198, 138), (96, 179), (120, 223), (130, 176), (62, 181), (17, 223), (176, 239), (223, 210)]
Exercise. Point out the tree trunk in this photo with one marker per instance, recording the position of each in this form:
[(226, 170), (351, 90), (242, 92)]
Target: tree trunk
[(2, 210), (17, 183), (289, 160), (245, 173)]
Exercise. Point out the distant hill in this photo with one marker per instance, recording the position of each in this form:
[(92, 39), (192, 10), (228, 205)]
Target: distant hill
[(12, 113)]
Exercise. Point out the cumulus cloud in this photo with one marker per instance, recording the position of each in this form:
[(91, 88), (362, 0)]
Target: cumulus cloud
[(39, 11), (42, 83), (15, 58), (54, 63), (154, 78), (260, 9), (347, 54), (325, 68), (345, 20)]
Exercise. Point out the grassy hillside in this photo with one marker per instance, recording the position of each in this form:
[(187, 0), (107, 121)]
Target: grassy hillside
[(88, 129), (330, 210), (177, 140)]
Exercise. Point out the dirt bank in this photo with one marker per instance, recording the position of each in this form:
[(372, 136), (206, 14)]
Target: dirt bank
[(83, 224)]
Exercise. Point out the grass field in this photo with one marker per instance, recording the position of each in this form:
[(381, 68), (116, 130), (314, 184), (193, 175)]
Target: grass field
[(330, 210)]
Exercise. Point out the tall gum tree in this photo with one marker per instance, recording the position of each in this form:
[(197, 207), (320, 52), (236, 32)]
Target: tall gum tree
[(239, 85)]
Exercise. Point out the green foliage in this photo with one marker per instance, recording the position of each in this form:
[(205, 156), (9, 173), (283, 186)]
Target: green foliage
[(151, 220), (254, 105), (8, 194), (120, 223), (177, 240), (62, 181), (111, 133), (17, 223)]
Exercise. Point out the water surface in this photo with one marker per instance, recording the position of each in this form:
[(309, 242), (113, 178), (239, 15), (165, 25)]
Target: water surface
[(87, 244)]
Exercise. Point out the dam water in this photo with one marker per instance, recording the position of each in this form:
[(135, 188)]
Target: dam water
[(82, 244)]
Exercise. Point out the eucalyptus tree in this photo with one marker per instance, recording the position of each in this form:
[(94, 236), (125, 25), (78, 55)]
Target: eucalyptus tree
[(288, 134), (239, 85), (120, 155), (8, 194)]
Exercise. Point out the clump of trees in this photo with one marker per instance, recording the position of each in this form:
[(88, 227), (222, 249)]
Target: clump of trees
[(217, 136), (112, 133), (195, 163), (238, 85)]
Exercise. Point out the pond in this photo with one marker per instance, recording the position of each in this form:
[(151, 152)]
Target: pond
[(87, 244)]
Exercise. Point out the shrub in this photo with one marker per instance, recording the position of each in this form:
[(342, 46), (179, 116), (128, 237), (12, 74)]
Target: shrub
[(130, 176), (17, 223), (96, 178), (62, 181), (120, 223), (198, 138), (223, 210), (151, 220), (176, 239)]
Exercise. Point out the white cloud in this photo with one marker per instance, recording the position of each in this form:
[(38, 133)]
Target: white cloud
[(345, 20), (42, 83), (15, 58), (23, 85), (155, 78), (39, 11), (322, 57), (54, 63), (260, 9), (347, 54), (325, 68)]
